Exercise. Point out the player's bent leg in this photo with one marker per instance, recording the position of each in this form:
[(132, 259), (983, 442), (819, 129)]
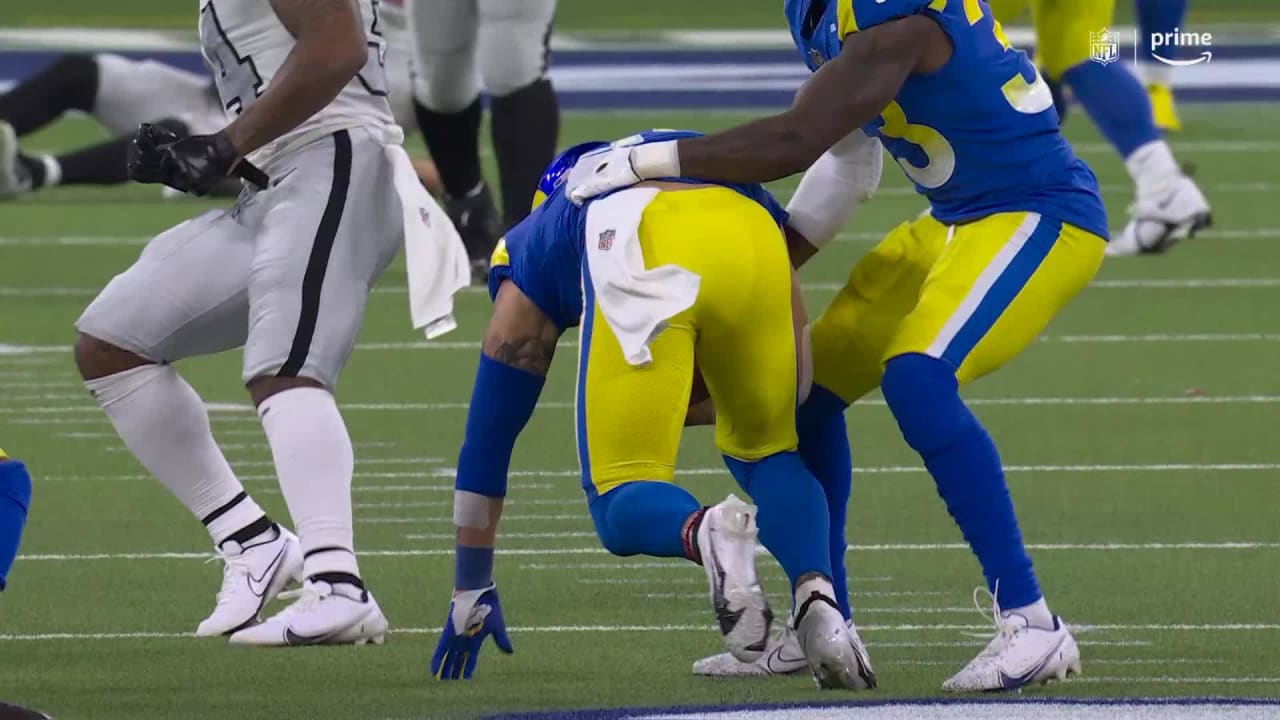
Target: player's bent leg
[(849, 341), (151, 315), (651, 518), (308, 293), (629, 422), (15, 498), (69, 83), (999, 283)]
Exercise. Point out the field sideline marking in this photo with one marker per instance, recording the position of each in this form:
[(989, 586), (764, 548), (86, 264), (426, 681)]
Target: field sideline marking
[(898, 547)]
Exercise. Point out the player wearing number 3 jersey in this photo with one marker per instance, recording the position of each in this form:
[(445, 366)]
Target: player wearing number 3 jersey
[(286, 274), (1016, 229)]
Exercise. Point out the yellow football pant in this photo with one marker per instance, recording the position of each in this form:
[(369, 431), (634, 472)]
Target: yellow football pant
[(975, 295), (740, 329)]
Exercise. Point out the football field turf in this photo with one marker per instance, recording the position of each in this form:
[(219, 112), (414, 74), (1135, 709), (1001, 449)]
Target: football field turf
[(1139, 435)]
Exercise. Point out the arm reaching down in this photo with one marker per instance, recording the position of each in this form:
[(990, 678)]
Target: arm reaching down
[(517, 351)]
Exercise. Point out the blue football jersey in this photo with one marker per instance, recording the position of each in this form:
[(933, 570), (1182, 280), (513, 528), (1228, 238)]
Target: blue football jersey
[(978, 136), (543, 254)]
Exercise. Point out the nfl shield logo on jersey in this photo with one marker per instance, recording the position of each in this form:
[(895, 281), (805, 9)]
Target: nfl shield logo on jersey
[(1104, 46), (606, 239)]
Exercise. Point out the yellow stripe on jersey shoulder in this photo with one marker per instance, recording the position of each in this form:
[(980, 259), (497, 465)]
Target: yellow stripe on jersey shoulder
[(500, 255), (846, 23)]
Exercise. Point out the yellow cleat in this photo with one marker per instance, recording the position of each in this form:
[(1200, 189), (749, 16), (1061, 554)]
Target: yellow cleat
[(1163, 108)]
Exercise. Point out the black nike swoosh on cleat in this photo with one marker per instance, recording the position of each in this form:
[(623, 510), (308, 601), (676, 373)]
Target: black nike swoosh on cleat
[(270, 571), (1013, 683), (294, 639)]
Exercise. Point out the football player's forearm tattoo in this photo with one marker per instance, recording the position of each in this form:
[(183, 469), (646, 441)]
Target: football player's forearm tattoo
[(531, 353)]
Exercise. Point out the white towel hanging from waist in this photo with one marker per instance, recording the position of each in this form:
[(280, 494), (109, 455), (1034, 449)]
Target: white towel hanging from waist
[(636, 302)]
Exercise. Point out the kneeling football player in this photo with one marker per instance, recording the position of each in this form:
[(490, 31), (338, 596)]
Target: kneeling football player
[(655, 276)]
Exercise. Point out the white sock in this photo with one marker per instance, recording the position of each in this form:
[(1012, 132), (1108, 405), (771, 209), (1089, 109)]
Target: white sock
[(1152, 167), (314, 461), (52, 171), (1154, 73), (164, 424), (1037, 614)]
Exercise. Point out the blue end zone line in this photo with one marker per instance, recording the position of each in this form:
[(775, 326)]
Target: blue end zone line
[(693, 710)]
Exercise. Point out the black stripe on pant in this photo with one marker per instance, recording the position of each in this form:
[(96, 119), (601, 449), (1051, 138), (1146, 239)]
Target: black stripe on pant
[(318, 263)]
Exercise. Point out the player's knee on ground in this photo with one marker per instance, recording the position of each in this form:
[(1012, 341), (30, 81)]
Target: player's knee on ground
[(851, 336), (913, 384), (97, 358)]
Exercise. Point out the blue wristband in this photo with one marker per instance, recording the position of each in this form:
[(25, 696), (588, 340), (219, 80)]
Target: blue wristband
[(473, 569)]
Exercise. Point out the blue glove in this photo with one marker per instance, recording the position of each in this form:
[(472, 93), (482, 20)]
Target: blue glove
[(473, 616)]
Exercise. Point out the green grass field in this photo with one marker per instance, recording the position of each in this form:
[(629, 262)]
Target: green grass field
[(1139, 434)]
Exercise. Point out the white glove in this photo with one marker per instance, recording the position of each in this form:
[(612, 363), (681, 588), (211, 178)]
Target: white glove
[(614, 167)]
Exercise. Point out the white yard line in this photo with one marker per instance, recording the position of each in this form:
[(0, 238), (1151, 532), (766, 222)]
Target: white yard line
[(232, 411), (1172, 680), (572, 551), (560, 629), (441, 473), (448, 519)]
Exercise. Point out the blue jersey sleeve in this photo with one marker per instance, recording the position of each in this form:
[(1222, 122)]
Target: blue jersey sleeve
[(542, 256)]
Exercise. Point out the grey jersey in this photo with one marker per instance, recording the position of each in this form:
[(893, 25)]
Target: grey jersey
[(244, 44)]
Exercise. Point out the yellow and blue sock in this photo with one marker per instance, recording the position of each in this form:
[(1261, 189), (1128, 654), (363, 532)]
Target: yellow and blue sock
[(792, 514), (645, 518), (924, 396), (824, 446), (15, 498), (1116, 102)]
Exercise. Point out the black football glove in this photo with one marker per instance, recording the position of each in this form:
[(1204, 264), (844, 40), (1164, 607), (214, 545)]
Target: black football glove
[(196, 165), (146, 158)]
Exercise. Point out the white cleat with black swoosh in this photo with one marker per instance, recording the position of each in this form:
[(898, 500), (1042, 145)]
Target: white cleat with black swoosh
[(1019, 655), (321, 614), (782, 656), (1159, 220), (252, 576), (727, 542)]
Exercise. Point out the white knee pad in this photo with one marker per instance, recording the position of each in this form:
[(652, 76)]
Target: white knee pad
[(513, 43)]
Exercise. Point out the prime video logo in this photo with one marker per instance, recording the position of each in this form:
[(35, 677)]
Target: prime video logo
[(1104, 47), (1179, 39)]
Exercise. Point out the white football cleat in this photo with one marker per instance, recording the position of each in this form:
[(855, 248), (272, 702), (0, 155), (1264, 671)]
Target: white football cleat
[(834, 652), (1160, 220), (782, 656), (727, 541), (15, 179), (252, 576), (1017, 656), (322, 614)]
